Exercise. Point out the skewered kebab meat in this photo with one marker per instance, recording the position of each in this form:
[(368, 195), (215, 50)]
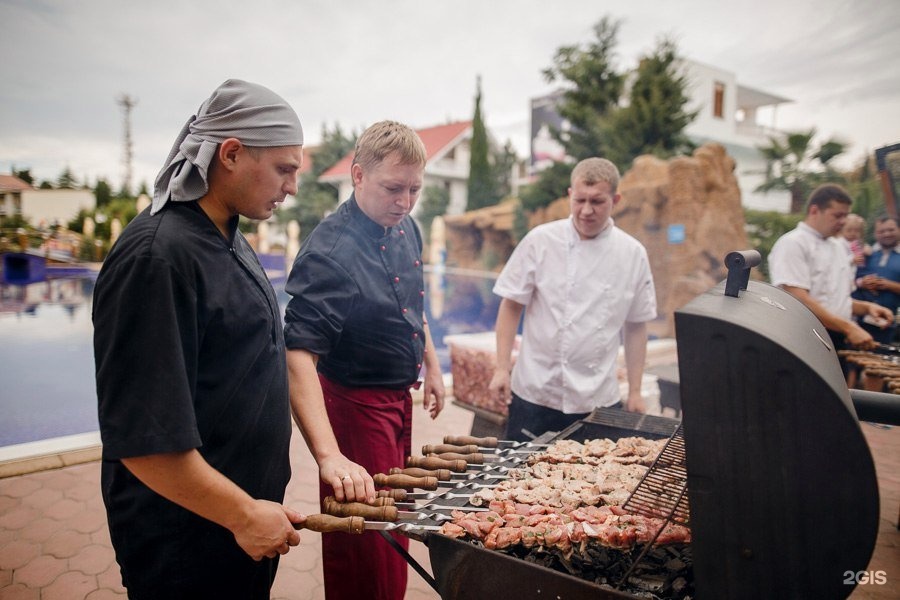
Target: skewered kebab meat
[(571, 474), (508, 524)]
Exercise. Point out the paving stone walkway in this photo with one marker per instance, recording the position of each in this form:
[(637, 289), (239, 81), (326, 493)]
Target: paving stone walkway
[(54, 544)]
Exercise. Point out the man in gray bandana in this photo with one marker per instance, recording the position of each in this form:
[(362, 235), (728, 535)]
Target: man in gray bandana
[(191, 377)]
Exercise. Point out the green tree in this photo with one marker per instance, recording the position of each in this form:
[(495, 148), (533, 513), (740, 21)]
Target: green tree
[(654, 119), (797, 166), (594, 89), (763, 230), (551, 185), (311, 208), (66, 180), (125, 193), (433, 204), (102, 192), (314, 199), (481, 191), (502, 165), (24, 174), (335, 145), (864, 186)]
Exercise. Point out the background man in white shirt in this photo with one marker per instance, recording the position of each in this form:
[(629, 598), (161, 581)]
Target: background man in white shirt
[(809, 263), (580, 281)]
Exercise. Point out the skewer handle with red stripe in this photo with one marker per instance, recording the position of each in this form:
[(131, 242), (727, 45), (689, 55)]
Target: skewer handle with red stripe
[(330, 523), (433, 462), (485, 442), (405, 481), (439, 448), (358, 509), (472, 459), (441, 474)]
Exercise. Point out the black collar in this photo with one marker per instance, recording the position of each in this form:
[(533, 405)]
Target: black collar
[(369, 226)]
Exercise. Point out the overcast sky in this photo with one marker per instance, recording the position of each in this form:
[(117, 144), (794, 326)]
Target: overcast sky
[(354, 62)]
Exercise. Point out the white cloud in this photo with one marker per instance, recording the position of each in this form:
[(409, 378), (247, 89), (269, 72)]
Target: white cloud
[(354, 62)]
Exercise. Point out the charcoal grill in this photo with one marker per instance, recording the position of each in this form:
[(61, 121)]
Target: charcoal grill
[(781, 486)]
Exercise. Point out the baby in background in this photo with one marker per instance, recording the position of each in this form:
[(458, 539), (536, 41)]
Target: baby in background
[(852, 236)]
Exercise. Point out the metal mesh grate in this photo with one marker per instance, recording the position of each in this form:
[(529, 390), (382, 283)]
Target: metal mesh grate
[(662, 493), (637, 422)]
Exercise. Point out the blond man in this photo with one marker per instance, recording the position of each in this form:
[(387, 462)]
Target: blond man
[(357, 341)]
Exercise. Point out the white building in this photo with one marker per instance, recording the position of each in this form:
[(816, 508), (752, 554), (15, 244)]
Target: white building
[(44, 208), (728, 113), (11, 190)]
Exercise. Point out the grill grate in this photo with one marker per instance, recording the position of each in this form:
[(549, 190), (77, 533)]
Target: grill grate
[(636, 422), (662, 492)]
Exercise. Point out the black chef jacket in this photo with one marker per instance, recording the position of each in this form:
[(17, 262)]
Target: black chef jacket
[(357, 300), (189, 354)]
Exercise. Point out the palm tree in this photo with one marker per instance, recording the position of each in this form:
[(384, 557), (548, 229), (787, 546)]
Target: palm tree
[(796, 166)]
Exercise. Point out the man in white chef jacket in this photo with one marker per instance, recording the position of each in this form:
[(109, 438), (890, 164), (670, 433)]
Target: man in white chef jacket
[(582, 284)]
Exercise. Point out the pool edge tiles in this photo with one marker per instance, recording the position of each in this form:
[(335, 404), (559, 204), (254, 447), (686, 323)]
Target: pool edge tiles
[(54, 453)]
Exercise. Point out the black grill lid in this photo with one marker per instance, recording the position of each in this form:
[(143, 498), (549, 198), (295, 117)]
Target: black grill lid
[(782, 487)]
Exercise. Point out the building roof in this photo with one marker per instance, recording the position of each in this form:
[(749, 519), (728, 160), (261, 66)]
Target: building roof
[(753, 98), (11, 183), (436, 139)]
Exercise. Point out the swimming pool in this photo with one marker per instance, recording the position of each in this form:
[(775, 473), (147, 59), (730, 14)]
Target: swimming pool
[(47, 388)]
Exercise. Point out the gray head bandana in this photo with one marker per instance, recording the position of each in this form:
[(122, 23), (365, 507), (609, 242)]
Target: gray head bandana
[(255, 115)]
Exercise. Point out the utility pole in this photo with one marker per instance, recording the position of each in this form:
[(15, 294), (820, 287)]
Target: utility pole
[(127, 103)]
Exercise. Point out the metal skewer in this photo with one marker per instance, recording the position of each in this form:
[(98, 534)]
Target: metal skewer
[(413, 507), (488, 442), (528, 448), (432, 495), (480, 459)]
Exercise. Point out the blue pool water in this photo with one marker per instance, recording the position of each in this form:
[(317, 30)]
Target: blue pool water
[(47, 387)]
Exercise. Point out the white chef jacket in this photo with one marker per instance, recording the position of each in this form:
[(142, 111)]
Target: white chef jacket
[(805, 259), (577, 295)]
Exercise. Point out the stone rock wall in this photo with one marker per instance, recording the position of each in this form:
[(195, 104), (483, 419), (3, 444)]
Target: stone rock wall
[(698, 193), (481, 239)]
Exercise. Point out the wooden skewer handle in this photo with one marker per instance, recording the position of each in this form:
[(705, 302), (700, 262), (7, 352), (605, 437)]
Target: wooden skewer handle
[(438, 448), (484, 442), (433, 462), (358, 509), (441, 474), (406, 481), (398, 494), (472, 459), (330, 523), (381, 499)]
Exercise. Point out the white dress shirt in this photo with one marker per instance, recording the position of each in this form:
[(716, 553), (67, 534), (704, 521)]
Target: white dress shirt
[(805, 259), (577, 295)]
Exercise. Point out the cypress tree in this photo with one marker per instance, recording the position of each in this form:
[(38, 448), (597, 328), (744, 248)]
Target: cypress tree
[(481, 184)]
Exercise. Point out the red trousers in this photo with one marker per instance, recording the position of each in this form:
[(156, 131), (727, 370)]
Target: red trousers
[(373, 428)]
